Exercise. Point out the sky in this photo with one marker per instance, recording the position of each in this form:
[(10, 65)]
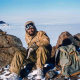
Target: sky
[(40, 11)]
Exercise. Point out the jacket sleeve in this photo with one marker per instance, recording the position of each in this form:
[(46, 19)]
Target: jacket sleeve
[(43, 39)]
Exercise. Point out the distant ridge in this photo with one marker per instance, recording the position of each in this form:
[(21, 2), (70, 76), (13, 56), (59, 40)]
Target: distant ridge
[(2, 22)]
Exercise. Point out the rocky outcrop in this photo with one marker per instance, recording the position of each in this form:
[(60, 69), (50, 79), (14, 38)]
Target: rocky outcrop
[(2, 22), (2, 32), (9, 44), (7, 41), (66, 38), (77, 37)]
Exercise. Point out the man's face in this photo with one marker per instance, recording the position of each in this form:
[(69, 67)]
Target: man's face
[(31, 31)]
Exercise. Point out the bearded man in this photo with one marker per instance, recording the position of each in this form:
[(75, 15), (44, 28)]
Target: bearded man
[(38, 51)]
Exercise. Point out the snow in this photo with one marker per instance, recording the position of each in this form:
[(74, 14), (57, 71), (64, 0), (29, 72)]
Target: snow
[(31, 75), (53, 31)]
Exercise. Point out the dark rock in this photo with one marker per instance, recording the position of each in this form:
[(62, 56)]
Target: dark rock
[(2, 22), (65, 38), (8, 46), (77, 38), (50, 74), (7, 41), (2, 32), (62, 36)]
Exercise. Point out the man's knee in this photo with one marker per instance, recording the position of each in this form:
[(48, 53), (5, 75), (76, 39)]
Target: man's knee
[(20, 54), (41, 48)]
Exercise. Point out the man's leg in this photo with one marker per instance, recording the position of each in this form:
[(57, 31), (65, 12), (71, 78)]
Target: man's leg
[(18, 60), (42, 56)]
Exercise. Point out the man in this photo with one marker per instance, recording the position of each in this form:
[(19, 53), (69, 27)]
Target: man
[(39, 51)]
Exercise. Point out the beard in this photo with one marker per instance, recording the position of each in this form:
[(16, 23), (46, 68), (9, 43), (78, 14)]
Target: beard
[(32, 33)]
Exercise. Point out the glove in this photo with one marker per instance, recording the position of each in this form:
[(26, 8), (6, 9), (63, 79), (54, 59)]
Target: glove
[(34, 46), (29, 52), (31, 49)]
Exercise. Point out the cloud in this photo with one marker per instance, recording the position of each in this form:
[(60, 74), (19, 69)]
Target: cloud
[(43, 19)]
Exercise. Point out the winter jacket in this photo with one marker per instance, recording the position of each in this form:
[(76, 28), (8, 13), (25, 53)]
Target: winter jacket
[(40, 38)]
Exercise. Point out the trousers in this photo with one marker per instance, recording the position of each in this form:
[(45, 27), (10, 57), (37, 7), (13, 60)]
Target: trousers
[(40, 57)]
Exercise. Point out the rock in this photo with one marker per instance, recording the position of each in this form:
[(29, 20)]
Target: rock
[(2, 32), (77, 35), (2, 22), (77, 38), (6, 55), (65, 38), (64, 35), (7, 41), (9, 44), (50, 74)]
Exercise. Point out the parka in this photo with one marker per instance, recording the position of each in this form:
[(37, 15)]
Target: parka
[(40, 38)]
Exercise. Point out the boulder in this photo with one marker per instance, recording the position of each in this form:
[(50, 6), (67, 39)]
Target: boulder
[(2, 22), (62, 36), (2, 32), (77, 35), (7, 41), (9, 44), (77, 38), (65, 38)]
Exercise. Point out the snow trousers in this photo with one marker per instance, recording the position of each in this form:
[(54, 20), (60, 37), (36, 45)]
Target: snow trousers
[(40, 57)]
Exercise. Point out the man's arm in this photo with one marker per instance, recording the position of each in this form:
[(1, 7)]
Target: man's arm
[(43, 39)]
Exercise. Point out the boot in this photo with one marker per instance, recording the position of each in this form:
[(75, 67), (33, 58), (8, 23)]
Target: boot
[(40, 74)]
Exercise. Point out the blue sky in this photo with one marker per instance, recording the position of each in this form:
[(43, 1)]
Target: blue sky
[(40, 11)]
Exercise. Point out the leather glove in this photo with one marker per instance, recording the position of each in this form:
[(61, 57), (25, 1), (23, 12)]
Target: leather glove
[(31, 49), (34, 46), (29, 52)]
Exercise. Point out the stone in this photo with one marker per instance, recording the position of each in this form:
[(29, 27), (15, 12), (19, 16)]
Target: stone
[(2, 32), (77, 38), (62, 36), (2, 22), (65, 38), (7, 41), (9, 44), (51, 74)]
